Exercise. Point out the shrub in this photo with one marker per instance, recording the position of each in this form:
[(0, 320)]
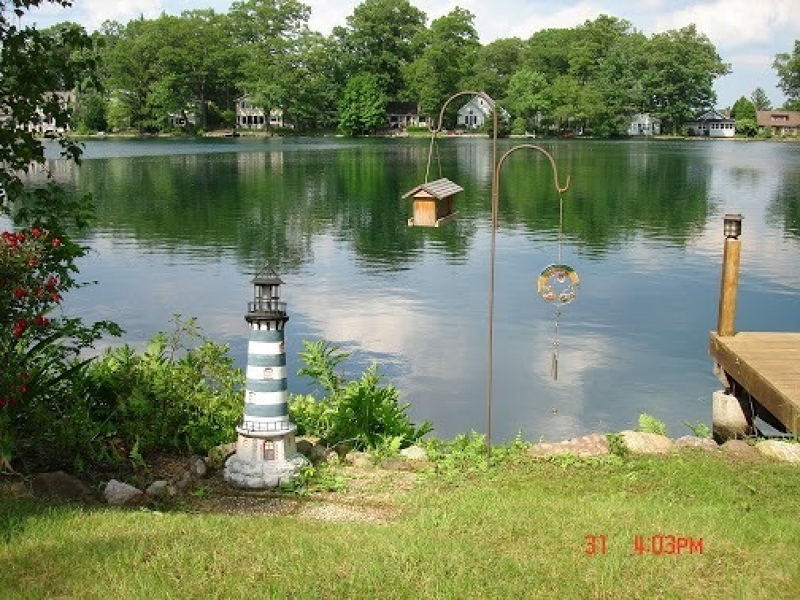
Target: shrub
[(361, 413)]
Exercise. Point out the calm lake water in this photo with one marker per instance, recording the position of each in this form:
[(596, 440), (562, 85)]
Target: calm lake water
[(184, 225)]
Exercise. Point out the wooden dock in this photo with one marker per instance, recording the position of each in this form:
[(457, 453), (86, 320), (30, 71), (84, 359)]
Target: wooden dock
[(767, 366)]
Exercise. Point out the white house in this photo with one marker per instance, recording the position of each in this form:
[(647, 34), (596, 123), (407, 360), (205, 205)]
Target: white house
[(711, 124), (250, 116), (473, 114), (644, 124)]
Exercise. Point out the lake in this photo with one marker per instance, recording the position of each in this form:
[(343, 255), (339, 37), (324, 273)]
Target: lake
[(183, 225)]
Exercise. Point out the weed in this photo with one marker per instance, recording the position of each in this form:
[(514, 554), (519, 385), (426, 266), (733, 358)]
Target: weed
[(649, 424), (699, 429)]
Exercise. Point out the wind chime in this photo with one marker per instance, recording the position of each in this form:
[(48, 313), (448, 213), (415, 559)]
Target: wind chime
[(558, 285)]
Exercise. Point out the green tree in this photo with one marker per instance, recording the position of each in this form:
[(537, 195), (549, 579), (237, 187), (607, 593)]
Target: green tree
[(760, 100), (132, 60), (196, 64), (528, 96), (268, 35), (743, 109), (362, 108), (788, 68), (495, 63), (315, 90), (681, 66), (378, 39), (446, 58)]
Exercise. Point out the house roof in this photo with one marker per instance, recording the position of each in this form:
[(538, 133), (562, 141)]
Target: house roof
[(439, 189), (402, 108), (778, 118), (712, 115)]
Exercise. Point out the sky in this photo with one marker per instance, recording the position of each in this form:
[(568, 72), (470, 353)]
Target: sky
[(747, 35)]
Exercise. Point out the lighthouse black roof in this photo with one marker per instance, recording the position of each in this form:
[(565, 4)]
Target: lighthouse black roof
[(266, 276)]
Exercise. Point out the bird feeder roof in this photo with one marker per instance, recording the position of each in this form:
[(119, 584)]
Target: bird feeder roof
[(266, 276), (439, 189)]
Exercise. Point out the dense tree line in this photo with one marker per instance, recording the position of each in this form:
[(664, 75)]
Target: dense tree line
[(591, 78)]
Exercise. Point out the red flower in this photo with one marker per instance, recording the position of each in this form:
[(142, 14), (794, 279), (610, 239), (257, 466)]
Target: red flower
[(19, 293), (23, 375), (56, 242), (52, 282), (36, 232), (20, 327), (23, 389), (33, 262), (56, 297), (41, 321)]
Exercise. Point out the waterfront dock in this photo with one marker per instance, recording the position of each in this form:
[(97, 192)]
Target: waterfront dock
[(765, 365), (760, 370)]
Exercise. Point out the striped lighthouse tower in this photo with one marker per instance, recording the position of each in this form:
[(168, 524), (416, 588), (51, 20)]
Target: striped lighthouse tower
[(266, 453)]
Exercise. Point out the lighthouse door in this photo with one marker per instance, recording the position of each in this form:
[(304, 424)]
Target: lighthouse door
[(269, 450)]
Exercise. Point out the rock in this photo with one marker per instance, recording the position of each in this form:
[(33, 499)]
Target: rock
[(414, 453), (641, 442), (397, 464), (740, 449), (118, 493), (692, 441), (217, 456), (784, 451), (183, 482), (61, 486), (730, 418), (161, 489), (198, 467), (358, 459), (582, 447)]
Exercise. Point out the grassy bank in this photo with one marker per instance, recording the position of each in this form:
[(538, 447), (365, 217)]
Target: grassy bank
[(516, 531)]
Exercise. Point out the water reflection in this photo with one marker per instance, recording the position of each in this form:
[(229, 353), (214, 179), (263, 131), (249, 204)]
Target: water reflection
[(183, 226)]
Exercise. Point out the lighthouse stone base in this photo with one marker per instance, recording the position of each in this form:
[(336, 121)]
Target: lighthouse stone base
[(245, 473), (264, 460)]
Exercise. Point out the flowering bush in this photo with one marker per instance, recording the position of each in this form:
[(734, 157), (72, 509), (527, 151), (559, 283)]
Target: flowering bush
[(39, 350)]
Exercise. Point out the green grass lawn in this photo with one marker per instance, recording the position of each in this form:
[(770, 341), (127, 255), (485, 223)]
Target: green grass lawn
[(518, 530)]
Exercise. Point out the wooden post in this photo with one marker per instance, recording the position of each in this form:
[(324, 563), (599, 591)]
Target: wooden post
[(730, 276)]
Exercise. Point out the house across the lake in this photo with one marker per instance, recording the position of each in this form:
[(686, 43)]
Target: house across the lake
[(644, 124), (251, 116), (473, 114), (711, 124), (779, 122), (402, 115)]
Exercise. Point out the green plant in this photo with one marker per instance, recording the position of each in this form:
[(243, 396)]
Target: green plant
[(361, 413), (700, 429), (649, 424), (616, 445)]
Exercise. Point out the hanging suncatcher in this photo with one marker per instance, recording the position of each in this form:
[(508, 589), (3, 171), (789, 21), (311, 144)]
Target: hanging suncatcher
[(558, 285)]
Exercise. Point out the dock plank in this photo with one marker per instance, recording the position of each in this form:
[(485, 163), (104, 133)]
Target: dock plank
[(767, 365)]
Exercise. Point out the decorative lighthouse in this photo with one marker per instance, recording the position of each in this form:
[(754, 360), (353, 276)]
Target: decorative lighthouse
[(266, 454)]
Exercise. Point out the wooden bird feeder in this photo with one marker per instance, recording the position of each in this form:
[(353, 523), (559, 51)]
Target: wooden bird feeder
[(433, 202)]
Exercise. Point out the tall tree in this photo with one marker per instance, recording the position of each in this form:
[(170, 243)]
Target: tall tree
[(196, 63), (268, 34), (362, 108), (760, 100), (743, 109), (681, 67), (495, 64), (528, 96), (788, 69), (445, 60), (378, 41)]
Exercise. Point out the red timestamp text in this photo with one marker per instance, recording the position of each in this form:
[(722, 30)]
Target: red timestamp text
[(655, 544)]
